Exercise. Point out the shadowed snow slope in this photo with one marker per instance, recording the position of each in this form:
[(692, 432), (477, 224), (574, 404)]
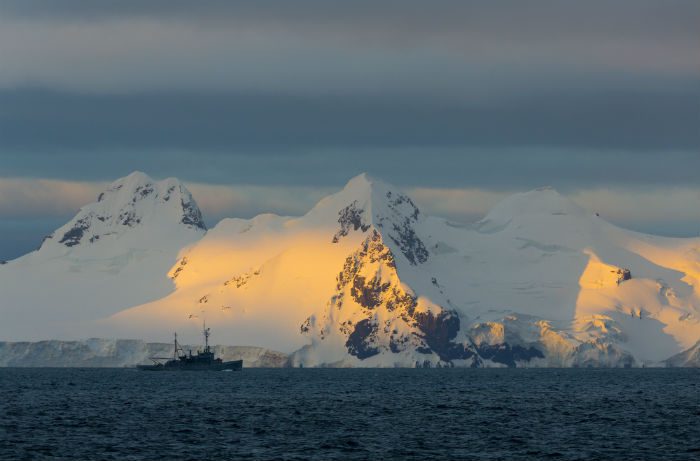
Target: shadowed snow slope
[(113, 254), (366, 279)]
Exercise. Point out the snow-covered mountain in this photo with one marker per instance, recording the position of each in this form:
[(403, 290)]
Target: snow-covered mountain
[(363, 279), (366, 279), (130, 206), (114, 254)]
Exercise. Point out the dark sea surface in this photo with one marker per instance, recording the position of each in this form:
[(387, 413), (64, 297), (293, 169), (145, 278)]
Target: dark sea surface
[(633, 414)]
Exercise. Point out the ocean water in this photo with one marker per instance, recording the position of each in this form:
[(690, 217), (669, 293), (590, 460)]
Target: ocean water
[(529, 414)]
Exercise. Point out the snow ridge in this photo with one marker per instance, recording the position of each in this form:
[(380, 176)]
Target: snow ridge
[(133, 201)]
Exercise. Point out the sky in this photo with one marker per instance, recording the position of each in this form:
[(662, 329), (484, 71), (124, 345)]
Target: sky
[(268, 106)]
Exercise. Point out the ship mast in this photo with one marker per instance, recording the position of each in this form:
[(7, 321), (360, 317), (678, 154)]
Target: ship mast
[(175, 349), (206, 335)]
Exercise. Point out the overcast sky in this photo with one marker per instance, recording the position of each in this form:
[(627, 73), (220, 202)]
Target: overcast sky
[(269, 105)]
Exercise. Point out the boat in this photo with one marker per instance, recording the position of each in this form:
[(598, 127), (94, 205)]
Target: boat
[(201, 361)]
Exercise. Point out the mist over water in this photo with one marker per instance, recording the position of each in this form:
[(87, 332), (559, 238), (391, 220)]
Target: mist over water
[(351, 414)]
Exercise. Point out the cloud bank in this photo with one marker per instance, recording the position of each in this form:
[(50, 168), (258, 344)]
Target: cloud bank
[(27, 197), (455, 102)]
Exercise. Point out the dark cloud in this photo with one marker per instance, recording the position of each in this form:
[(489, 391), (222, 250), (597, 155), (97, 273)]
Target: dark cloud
[(501, 95), (452, 47), (294, 76), (605, 118), (504, 18), (566, 138)]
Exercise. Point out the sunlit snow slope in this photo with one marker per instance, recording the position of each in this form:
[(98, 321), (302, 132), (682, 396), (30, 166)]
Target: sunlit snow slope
[(366, 279), (115, 253)]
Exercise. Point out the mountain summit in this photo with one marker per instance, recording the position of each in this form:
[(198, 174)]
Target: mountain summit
[(133, 202), (367, 203)]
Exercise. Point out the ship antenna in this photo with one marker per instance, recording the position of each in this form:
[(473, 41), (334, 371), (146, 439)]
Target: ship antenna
[(175, 350)]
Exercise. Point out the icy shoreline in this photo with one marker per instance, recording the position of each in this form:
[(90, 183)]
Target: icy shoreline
[(110, 353), (96, 352)]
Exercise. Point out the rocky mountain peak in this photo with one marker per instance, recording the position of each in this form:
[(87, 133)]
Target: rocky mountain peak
[(372, 312), (134, 201), (367, 204)]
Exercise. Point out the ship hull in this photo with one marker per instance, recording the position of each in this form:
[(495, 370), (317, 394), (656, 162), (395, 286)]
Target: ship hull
[(173, 365)]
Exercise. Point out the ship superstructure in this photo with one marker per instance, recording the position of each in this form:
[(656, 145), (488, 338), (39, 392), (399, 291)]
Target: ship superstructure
[(201, 360)]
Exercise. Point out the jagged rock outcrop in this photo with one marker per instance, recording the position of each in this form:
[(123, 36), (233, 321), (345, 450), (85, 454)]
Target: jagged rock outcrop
[(375, 314), (382, 208)]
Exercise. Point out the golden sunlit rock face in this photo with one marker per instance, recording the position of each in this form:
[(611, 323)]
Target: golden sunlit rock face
[(372, 313)]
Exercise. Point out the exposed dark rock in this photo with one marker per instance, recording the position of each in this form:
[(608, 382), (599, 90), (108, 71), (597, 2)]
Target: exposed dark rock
[(401, 224), (368, 293), (143, 191), (438, 330), (397, 346), (504, 353), (371, 251), (358, 343), (128, 218), (462, 351), (403, 302), (101, 196), (622, 275), (403, 199), (350, 219), (240, 280), (191, 215), (167, 194), (183, 263), (411, 246), (75, 234)]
